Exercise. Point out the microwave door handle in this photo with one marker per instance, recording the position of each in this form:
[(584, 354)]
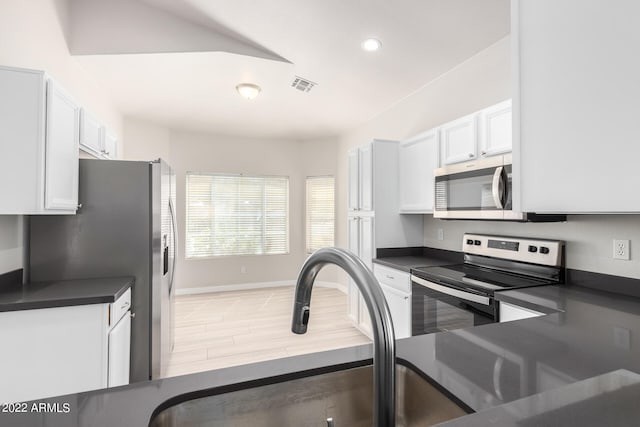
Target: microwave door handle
[(497, 188)]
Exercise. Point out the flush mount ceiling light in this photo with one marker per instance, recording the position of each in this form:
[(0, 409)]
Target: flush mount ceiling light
[(248, 90), (371, 45)]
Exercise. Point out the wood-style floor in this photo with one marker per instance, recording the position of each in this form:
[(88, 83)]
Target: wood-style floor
[(221, 329)]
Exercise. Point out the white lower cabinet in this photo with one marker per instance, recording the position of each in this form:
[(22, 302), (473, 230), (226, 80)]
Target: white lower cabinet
[(55, 351), (119, 351), (396, 286), (510, 312)]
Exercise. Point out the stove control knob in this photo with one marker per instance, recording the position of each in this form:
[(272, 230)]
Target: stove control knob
[(533, 249), (469, 242), (477, 242), (544, 250)]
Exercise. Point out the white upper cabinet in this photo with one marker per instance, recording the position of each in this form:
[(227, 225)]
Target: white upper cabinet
[(95, 138), (39, 132), (354, 179), (91, 134), (418, 158), (496, 129), (459, 140), (482, 134), (110, 150), (366, 177), (61, 158), (576, 106), (361, 178)]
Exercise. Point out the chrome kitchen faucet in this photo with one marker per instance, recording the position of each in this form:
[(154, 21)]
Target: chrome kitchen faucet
[(384, 357)]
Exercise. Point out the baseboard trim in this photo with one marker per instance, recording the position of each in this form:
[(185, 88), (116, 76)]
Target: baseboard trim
[(255, 285)]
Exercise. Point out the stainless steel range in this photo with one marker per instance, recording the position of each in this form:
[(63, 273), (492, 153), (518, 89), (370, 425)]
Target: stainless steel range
[(462, 295)]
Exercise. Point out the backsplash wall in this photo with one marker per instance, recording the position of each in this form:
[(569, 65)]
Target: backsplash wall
[(589, 238), (12, 245)]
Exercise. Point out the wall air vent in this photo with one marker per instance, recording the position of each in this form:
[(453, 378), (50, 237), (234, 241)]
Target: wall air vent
[(302, 85)]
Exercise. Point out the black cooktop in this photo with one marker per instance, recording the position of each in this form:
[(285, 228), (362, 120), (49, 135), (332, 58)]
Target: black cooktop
[(472, 277)]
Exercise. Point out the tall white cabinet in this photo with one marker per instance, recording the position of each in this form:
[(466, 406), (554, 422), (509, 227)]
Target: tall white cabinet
[(39, 132), (576, 105), (374, 220)]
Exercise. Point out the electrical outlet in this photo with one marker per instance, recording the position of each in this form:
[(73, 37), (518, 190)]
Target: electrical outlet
[(243, 269), (440, 234), (621, 249)]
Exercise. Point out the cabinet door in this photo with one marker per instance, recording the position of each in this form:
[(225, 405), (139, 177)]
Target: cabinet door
[(577, 107), (354, 180), (367, 246), (366, 178), (364, 321), (110, 150), (418, 159), (354, 244), (61, 150), (119, 351), (458, 140), (495, 129), (400, 307), (91, 134)]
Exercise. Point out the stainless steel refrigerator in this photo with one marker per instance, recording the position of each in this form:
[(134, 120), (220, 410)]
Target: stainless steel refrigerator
[(126, 226)]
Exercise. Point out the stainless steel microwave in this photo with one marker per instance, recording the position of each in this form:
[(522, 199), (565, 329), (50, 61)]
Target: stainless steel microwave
[(480, 189)]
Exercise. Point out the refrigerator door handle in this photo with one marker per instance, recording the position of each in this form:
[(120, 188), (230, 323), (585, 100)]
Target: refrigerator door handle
[(174, 228)]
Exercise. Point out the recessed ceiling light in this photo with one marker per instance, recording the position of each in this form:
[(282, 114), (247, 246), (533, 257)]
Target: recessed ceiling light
[(371, 45), (248, 90)]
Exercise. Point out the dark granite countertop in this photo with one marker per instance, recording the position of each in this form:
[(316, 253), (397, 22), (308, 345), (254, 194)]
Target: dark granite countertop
[(592, 334), (405, 259), (63, 293)]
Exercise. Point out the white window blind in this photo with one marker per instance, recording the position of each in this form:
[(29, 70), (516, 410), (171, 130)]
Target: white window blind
[(237, 215), (320, 212)]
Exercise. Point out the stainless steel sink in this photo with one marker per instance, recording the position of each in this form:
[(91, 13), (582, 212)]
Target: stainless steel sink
[(346, 396)]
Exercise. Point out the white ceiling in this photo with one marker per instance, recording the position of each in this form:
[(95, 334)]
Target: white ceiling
[(318, 40)]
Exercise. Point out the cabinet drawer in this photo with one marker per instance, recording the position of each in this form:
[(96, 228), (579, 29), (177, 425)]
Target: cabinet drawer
[(120, 307), (393, 278)]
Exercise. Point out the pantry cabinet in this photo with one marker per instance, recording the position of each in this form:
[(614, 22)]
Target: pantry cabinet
[(373, 216), (39, 133)]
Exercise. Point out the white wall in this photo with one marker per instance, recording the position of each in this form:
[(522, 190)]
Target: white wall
[(12, 256), (198, 152), (589, 238), (31, 36)]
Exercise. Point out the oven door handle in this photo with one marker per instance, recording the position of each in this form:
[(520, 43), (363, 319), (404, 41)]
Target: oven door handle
[(480, 299), (497, 188)]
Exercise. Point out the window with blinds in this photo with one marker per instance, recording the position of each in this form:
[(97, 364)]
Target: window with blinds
[(236, 215), (320, 217)]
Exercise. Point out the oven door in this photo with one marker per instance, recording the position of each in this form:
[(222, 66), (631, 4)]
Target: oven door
[(437, 308), (479, 189)]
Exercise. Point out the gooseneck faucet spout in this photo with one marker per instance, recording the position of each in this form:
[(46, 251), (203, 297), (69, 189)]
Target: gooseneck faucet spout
[(384, 357)]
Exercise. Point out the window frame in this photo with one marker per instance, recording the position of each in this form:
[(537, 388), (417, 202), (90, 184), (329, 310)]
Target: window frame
[(238, 175), (307, 248)]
